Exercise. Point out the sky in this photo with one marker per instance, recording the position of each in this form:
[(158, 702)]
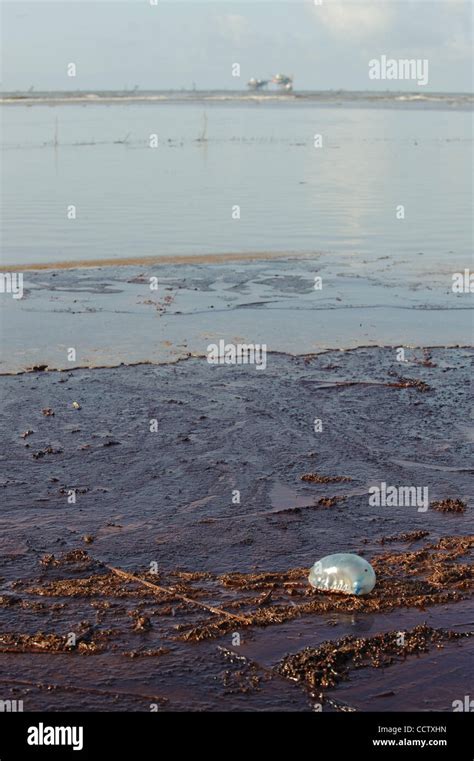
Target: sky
[(176, 44)]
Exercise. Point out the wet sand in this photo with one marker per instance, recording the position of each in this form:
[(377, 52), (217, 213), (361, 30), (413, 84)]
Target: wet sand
[(110, 315), (165, 498), (137, 261)]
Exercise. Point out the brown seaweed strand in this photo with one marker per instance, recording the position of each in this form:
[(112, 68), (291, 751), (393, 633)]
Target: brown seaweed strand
[(173, 593)]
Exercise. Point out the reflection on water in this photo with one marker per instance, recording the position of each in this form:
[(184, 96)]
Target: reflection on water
[(178, 198)]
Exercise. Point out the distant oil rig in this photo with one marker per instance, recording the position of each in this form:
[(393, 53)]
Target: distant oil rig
[(282, 81)]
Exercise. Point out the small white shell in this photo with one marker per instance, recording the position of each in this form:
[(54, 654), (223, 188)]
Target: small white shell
[(343, 572)]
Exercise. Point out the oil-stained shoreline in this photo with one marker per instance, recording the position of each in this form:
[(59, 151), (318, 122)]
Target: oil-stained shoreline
[(166, 497), (137, 261), (111, 316)]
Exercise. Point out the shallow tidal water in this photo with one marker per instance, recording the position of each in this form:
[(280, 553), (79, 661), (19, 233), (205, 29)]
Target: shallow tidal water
[(258, 154), (110, 315)]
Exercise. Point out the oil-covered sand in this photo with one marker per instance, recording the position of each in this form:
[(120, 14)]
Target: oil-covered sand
[(200, 567)]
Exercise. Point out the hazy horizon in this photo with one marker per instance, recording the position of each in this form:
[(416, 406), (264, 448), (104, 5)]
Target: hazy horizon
[(197, 91), (185, 45)]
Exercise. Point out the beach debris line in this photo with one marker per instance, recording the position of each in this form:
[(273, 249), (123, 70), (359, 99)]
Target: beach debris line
[(316, 478), (174, 593), (250, 668), (246, 676), (42, 452), (449, 506), (404, 580), (322, 502), (329, 501), (332, 662), (343, 572), (42, 642), (416, 383), (436, 574)]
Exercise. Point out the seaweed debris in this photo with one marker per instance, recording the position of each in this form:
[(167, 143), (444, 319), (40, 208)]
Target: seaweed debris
[(332, 662), (316, 478), (449, 506), (210, 605)]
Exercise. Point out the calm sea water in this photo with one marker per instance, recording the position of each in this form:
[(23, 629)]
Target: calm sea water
[(177, 199)]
